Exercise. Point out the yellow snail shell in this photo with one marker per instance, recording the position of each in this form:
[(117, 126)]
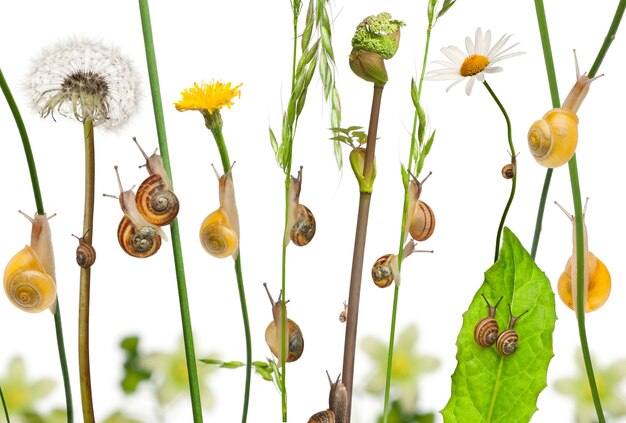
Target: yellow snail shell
[(156, 203), (217, 236), (599, 286), (422, 222), (27, 284), (138, 241), (294, 341), (553, 139)]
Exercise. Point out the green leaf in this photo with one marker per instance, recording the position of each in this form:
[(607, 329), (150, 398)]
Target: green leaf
[(487, 387), (414, 93), (308, 28), (447, 4), (273, 141)]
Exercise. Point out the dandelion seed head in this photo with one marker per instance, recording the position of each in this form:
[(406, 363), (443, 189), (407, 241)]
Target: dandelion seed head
[(83, 79)]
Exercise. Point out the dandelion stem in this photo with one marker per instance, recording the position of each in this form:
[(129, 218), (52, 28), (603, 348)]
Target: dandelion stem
[(190, 354), (359, 251), (30, 159), (514, 180), (85, 277), (4, 406), (226, 165)]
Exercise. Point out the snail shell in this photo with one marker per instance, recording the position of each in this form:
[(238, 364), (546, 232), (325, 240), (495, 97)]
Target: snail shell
[(156, 202), (326, 416), (508, 171), (85, 253), (337, 403), (343, 316), (138, 241), (27, 285), (383, 271), (507, 342), (303, 229), (486, 330), (422, 222), (217, 235), (294, 341), (553, 139)]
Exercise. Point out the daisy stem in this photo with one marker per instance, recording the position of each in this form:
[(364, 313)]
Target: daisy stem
[(30, 159), (413, 151), (514, 180), (85, 277), (190, 355), (359, 251), (221, 146), (4, 406)]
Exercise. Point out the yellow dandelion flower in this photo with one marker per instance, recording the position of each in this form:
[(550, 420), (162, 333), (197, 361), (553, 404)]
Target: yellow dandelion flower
[(208, 98)]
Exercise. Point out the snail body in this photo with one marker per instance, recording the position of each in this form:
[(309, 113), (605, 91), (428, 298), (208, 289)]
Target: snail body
[(155, 199), (294, 341), (337, 404), (219, 232), (486, 330), (553, 139), (29, 277), (343, 316), (596, 279), (300, 228), (137, 237), (85, 253)]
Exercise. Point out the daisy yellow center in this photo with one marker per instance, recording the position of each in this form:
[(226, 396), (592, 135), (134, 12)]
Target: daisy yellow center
[(474, 64), (208, 97)]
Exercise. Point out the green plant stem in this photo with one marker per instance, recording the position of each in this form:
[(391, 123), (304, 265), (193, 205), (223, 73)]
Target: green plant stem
[(226, 165), (359, 251), (513, 161), (190, 355), (4, 406), (85, 278), (30, 159), (396, 292)]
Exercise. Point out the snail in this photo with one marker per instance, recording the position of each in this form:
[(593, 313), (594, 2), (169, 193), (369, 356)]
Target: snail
[(155, 200), (337, 411), (486, 330), (508, 171), (300, 220), (343, 316), (294, 342), (85, 253), (385, 269), (137, 237), (597, 280), (507, 340), (420, 222), (29, 277), (553, 139), (219, 232)]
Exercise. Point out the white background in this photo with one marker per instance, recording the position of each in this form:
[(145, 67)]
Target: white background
[(250, 42)]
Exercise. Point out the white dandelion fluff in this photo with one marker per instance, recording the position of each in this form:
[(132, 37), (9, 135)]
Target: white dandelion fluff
[(83, 79)]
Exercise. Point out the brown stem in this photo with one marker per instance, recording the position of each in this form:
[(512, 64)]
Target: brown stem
[(85, 278), (359, 251)]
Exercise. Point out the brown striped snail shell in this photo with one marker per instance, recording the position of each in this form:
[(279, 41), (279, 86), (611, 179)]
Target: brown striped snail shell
[(300, 220), (85, 253), (508, 340), (343, 316), (155, 199), (383, 271), (294, 342), (486, 330), (326, 416), (422, 222), (508, 171)]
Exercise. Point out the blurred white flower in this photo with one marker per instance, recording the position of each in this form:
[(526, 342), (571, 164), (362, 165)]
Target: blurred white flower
[(83, 79)]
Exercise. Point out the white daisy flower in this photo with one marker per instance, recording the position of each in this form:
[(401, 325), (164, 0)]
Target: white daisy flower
[(83, 79), (476, 63)]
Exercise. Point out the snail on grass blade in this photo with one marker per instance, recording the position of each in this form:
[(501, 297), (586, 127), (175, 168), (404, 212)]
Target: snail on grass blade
[(137, 237), (294, 341), (597, 280), (552, 140), (337, 404), (385, 269), (420, 221), (219, 232), (300, 221), (29, 277), (155, 199)]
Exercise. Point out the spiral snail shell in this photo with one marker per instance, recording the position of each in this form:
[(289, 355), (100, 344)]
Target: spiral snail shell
[(553, 139), (85, 253), (29, 277), (420, 222), (155, 200), (596, 279), (508, 171), (294, 341), (385, 269), (137, 237), (219, 232), (337, 404), (301, 222), (486, 330), (343, 316), (508, 340)]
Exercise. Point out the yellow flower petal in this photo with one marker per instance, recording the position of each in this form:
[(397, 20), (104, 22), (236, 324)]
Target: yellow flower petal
[(208, 97)]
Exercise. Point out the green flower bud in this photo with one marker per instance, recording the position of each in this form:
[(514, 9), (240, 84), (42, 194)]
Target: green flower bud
[(378, 34), (357, 161), (369, 66)]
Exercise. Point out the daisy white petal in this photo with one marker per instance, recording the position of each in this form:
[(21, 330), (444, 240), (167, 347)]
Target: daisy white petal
[(469, 45), (493, 69), (470, 84), (453, 84), (454, 54), (486, 44), (497, 46)]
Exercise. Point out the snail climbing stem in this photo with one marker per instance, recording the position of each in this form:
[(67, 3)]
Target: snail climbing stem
[(85, 278), (359, 251)]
